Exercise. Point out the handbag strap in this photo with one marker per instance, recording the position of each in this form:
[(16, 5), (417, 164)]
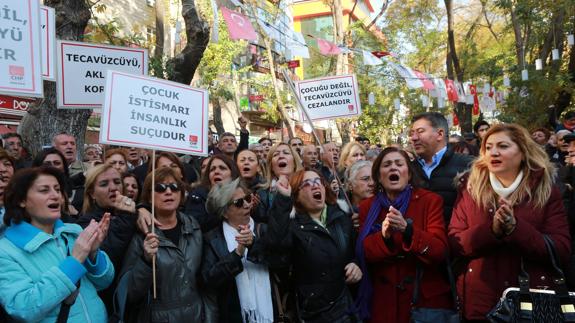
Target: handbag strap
[(567, 306), (71, 299), (275, 281), (450, 278)]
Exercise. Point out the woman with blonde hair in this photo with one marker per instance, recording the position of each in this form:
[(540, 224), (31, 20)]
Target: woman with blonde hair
[(351, 153), (282, 160), (103, 195), (507, 207)]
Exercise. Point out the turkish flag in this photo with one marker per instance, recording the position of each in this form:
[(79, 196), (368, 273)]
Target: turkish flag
[(455, 119), (327, 48), (380, 54), (451, 91), (427, 84), (473, 91), (239, 26)]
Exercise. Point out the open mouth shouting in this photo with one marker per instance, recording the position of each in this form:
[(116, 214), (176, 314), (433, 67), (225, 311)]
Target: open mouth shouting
[(54, 207)]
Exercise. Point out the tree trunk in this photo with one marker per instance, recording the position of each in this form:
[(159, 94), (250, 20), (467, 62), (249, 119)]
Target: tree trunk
[(218, 122), (462, 111), (268, 44), (184, 64), (159, 51), (43, 119), (338, 19)]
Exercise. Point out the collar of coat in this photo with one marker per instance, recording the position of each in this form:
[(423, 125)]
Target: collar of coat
[(29, 238)]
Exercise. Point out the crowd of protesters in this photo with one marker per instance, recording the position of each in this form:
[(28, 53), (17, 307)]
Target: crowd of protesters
[(287, 231)]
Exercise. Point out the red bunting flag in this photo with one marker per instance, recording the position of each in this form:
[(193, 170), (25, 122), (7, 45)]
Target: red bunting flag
[(473, 91), (380, 54), (239, 26), (427, 83), (451, 91), (327, 47)]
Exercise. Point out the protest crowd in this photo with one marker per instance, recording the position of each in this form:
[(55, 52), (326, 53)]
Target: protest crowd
[(287, 231)]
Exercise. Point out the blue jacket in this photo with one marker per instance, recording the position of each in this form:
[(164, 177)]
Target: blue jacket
[(36, 275)]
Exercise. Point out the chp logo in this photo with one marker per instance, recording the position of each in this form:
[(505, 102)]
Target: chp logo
[(193, 139), (17, 73)]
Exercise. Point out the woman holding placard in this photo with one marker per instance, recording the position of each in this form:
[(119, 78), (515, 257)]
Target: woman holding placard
[(177, 248)]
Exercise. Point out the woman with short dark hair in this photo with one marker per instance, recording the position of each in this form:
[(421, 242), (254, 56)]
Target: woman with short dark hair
[(317, 243), (177, 248), (401, 232), (44, 260)]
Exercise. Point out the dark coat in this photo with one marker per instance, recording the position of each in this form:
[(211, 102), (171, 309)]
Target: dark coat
[(177, 275), (317, 256), (266, 199), (120, 233), (220, 267), (196, 206), (493, 264), (393, 263), (442, 180)]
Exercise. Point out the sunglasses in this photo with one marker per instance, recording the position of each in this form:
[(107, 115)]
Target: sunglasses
[(161, 188), (310, 182), (240, 202)]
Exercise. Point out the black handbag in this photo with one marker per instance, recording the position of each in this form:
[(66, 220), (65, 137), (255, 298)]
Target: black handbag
[(518, 305), (434, 315)]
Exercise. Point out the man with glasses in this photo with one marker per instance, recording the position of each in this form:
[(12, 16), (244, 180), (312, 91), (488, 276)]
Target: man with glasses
[(15, 148)]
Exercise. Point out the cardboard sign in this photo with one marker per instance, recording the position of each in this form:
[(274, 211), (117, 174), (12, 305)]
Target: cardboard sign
[(14, 106), (82, 68), (48, 26), (20, 48), (330, 97), (151, 113)]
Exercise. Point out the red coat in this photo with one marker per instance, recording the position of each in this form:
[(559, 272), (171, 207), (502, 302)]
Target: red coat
[(493, 264), (390, 265)]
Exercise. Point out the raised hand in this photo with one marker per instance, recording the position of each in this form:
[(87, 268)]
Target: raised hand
[(283, 186), (83, 245), (124, 203), (396, 219)]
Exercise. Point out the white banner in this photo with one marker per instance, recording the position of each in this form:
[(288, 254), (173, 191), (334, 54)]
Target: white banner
[(82, 69), (48, 26), (151, 113), (20, 48), (330, 97)]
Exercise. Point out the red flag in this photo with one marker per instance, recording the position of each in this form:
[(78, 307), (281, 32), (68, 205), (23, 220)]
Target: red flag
[(451, 91), (327, 48), (427, 84), (239, 26), (380, 54), (455, 119), (473, 91)]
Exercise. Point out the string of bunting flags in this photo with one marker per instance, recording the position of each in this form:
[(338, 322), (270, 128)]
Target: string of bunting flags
[(240, 27)]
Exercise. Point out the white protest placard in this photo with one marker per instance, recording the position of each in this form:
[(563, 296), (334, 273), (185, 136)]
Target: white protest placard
[(48, 38), (151, 113), (20, 48), (82, 69), (330, 97)]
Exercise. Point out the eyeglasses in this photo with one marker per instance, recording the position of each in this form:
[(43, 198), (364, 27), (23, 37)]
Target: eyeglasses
[(161, 187), (310, 182), (240, 202)]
